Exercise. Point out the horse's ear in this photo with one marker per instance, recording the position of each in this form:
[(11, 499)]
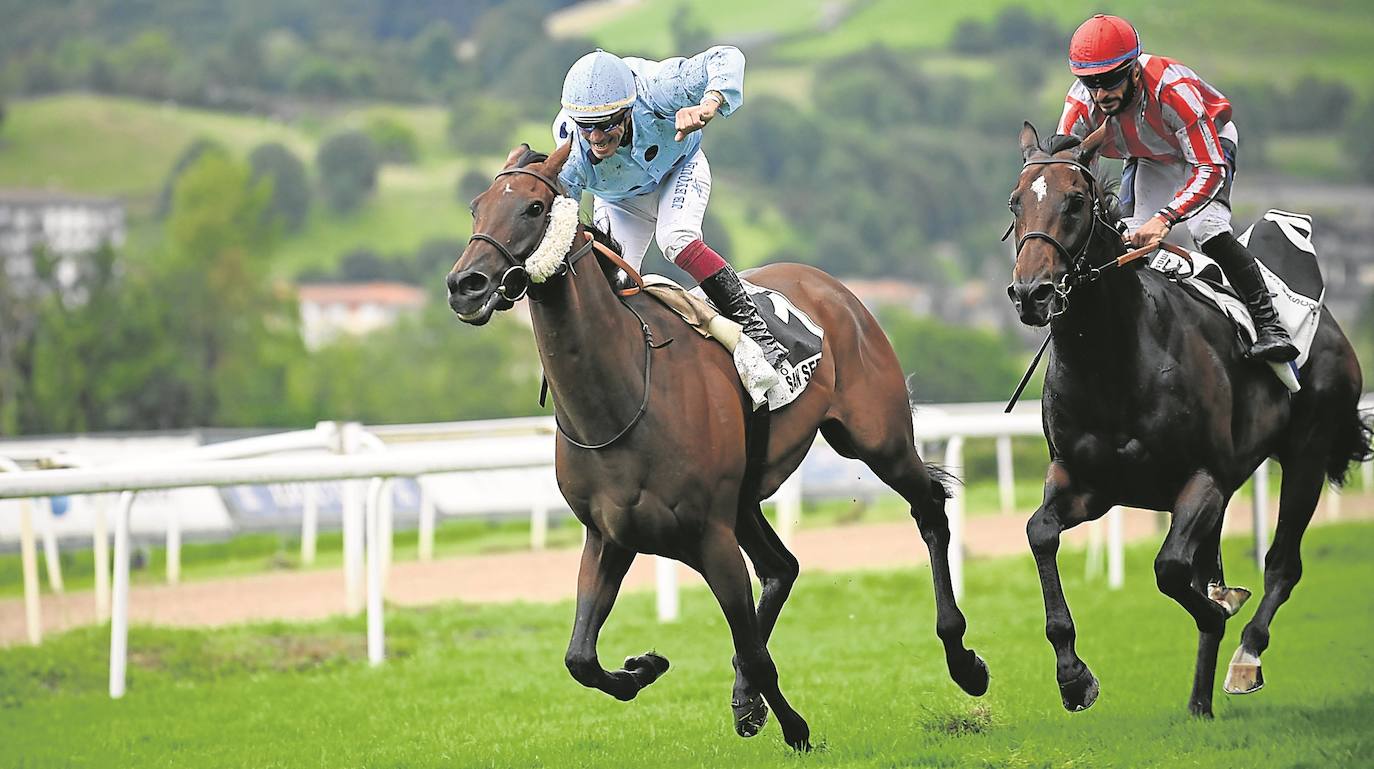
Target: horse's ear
[(1087, 150), (1030, 141), (560, 156), (515, 155)]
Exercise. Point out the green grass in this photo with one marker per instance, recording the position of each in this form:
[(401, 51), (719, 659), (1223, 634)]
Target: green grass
[(485, 686)]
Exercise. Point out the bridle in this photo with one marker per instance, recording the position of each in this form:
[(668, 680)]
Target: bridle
[(517, 264), (517, 267), (1079, 271)]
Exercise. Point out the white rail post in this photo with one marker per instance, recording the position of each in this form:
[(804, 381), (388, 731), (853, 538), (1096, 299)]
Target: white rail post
[(1259, 488), (353, 503), (119, 610), (310, 521), (1333, 502), (28, 556), (1116, 555), (954, 509), (173, 546), (788, 502), (51, 558), (100, 549), (1006, 481), (426, 523), (376, 628), (539, 524), (666, 576), (1092, 562), (386, 524)]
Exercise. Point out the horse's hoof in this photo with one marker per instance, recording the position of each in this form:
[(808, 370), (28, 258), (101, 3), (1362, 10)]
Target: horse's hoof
[(750, 715), (801, 741), (1200, 710), (647, 667), (1243, 675), (974, 680), (1080, 693), (1229, 599)]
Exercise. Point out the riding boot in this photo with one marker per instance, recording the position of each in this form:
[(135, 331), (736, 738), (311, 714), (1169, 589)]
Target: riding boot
[(728, 294), (1272, 342)]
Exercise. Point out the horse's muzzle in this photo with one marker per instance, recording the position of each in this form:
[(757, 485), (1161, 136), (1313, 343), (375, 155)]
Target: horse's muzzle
[(1034, 302), (472, 296)]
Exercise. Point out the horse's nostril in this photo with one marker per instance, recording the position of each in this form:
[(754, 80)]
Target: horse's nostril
[(452, 282), (1011, 292), (472, 283), (1042, 292)]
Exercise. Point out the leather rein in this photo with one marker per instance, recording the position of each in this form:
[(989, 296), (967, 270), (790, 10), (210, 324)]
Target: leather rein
[(517, 268)]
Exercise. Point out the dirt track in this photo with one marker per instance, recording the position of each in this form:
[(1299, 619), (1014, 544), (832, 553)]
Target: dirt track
[(541, 576)]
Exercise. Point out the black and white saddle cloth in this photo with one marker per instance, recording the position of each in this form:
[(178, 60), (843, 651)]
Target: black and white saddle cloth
[(1282, 245)]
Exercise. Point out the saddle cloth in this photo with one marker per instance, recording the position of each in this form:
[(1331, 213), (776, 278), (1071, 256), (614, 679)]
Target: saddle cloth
[(1287, 260), (800, 335)]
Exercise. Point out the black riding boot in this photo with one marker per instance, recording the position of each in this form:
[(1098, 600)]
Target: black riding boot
[(1272, 342), (725, 291)]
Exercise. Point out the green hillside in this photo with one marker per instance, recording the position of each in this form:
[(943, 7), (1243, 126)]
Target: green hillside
[(1272, 38)]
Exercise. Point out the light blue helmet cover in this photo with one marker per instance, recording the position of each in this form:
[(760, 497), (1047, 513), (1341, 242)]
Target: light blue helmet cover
[(597, 85)]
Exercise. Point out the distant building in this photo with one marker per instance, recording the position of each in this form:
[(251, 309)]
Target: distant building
[(329, 310), (66, 226)]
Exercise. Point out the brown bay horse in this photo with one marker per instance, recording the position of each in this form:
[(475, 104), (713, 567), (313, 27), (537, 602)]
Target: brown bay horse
[(670, 478), (1150, 402)]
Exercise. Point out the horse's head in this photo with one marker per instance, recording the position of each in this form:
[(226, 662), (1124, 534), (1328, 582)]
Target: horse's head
[(1057, 207), (509, 221)]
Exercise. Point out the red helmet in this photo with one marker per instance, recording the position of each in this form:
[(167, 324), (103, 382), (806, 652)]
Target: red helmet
[(1102, 44)]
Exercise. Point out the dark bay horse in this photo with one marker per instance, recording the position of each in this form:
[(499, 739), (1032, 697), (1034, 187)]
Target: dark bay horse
[(670, 481), (1150, 402)]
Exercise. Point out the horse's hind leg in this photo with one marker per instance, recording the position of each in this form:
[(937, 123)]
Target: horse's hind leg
[(777, 570), (1196, 521), (723, 567), (1302, 486), (895, 461), (1207, 573), (598, 582)]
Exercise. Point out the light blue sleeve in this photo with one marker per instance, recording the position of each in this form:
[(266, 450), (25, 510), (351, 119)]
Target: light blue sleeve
[(672, 84), (572, 176)]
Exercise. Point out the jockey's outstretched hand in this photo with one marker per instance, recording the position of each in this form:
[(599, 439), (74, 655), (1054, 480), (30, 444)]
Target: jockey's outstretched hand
[(691, 119), (1150, 233)]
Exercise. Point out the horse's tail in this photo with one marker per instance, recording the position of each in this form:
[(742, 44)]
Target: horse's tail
[(941, 482), (1352, 445)]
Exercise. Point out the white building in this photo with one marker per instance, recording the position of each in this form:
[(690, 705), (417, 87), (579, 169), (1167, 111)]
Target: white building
[(331, 309), (66, 226)]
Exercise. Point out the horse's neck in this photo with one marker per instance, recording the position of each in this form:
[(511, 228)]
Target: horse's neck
[(592, 351), (1102, 326)]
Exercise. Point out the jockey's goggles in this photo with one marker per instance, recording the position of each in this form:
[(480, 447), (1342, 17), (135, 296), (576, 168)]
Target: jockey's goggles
[(605, 126), (1107, 81)]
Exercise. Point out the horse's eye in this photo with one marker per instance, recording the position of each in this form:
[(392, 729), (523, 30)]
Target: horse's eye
[(1015, 205), (1073, 204), (535, 209)]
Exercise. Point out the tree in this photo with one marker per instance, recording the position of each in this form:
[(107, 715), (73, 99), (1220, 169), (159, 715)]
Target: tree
[(185, 160), (347, 164), (433, 52), (290, 185), (950, 364), (395, 142), (471, 184), (1359, 142), (481, 126)]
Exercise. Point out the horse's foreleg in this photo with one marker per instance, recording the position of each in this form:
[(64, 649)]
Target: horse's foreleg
[(1196, 522), (598, 582), (777, 569), (1302, 485), (1063, 508), (723, 567)]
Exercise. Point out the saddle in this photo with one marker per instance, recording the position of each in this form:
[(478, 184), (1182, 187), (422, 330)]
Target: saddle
[(797, 332), (1282, 245)]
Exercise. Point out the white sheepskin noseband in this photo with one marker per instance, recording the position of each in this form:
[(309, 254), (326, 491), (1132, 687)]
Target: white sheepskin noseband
[(557, 242)]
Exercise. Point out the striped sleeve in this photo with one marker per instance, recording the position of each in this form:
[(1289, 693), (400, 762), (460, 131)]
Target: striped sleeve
[(1186, 114), (1075, 118)]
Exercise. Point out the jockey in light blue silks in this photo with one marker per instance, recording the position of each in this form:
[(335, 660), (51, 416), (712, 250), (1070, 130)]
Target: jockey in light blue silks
[(634, 125)]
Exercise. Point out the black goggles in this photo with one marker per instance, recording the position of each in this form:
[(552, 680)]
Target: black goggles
[(606, 125), (1106, 81)]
